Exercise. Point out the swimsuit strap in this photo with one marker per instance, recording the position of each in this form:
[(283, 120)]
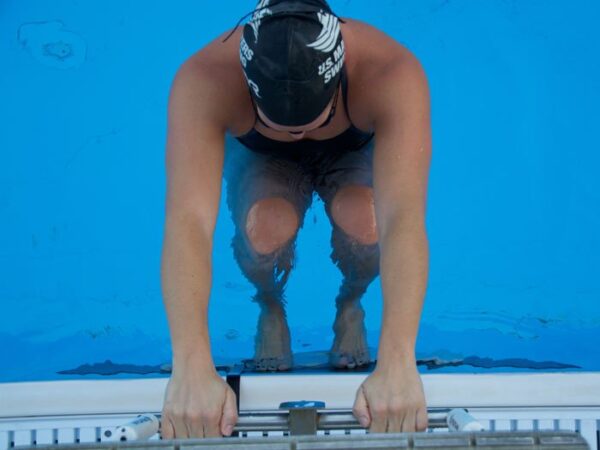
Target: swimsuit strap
[(344, 80)]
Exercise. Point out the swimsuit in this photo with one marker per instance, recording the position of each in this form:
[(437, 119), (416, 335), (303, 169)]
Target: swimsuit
[(264, 168), (350, 139)]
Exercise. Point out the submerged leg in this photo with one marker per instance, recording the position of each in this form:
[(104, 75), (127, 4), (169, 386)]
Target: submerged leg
[(268, 197), (356, 253), (265, 254), (359, 264)]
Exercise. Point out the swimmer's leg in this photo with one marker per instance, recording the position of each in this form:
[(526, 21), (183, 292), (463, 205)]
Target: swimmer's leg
[(347, 192), (359, 263), (269, 274), (268, 201)]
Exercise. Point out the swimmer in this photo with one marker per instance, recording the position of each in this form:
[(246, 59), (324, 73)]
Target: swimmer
[(316, 103)]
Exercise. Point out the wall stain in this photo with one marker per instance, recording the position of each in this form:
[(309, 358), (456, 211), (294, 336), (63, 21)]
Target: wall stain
[(107, 330), (109, 368), (60, 50), (232, 334), (96, 139), (50, 44), (54, 233)]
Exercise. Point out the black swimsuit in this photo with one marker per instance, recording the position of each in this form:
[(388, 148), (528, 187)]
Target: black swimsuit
[(349, 140)]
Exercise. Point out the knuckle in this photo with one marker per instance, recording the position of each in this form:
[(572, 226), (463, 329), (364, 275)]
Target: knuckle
[(414, 404), (380, 410), (209, 417), (397, 405), (175, 412), (192, 416), (396, 409)]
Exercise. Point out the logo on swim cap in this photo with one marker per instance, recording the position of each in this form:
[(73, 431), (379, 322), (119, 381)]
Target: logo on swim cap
[(252, 85), (257, 17), (328, 36)]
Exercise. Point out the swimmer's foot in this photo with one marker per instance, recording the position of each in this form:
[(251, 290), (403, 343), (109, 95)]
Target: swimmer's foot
[(349, 349), (273, 351)]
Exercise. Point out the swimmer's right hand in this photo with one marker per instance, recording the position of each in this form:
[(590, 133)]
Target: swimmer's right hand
[(198, 404)]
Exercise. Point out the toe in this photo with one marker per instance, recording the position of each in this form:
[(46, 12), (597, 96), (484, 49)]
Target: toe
[(260, 365), (273, 364), (341, 360), (363, 359)]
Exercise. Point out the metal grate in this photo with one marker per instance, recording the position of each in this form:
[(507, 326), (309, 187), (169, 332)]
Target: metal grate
[(37, 432), (457, 441)]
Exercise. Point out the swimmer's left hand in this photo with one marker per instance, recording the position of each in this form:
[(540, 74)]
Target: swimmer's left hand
[(392, 400)]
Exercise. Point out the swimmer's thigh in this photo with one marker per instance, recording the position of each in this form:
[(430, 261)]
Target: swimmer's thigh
[(255, 176), (352, 168)]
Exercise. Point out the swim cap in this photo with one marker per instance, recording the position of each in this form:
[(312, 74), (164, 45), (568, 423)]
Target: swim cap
[(292, 53)]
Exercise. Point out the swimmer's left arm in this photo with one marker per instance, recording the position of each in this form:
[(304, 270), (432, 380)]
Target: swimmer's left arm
[(401, 161)]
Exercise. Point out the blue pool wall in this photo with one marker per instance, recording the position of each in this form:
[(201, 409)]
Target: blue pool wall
[(513, 206)]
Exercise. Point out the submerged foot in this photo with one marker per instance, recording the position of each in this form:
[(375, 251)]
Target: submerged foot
[(350, 349), (273, 350)]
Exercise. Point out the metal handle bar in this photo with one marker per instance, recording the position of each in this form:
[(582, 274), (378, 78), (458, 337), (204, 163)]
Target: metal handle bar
[(298, 420)]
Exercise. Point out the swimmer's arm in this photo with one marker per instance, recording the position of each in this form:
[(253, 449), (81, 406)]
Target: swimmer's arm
[(194, 160), (400, 167)]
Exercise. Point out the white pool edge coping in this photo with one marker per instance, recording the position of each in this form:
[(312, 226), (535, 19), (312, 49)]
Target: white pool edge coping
[(28, 399)]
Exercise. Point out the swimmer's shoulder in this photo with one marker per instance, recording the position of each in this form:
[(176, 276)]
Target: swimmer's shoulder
[(370, 47), (375, 60), (213, 77)]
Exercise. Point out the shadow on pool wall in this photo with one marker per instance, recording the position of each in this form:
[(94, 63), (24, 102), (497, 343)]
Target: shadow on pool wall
[(512, 202)]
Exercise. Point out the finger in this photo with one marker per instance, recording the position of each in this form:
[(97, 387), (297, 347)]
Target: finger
[(181, 431), (211, 428), (361, 408), (166, 427), (211, 424), (194, 427), (395, 422), (378, 421), (409, 422), (422, 420), (230, 415)]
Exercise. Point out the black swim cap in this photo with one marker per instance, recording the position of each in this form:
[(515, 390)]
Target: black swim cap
[(292, 53)]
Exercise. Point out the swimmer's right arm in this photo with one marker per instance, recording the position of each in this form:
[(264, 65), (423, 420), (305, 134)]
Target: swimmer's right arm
[(198, 403)]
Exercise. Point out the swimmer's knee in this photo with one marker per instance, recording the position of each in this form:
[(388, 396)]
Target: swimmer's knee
[(270, 223), (353, 210)]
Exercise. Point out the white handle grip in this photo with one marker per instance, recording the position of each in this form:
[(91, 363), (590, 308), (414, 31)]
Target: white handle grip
[(459, 419), (142, 427)]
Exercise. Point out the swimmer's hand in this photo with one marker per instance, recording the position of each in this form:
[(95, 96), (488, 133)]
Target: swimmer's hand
[(392, 400), (198, 403)]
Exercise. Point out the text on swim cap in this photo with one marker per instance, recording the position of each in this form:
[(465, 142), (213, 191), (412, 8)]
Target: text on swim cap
[(252, 85), (257, 17), (246, 52), (330, 67)]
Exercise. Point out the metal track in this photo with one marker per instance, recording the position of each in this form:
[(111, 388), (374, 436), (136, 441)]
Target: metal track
[(550, 440)]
